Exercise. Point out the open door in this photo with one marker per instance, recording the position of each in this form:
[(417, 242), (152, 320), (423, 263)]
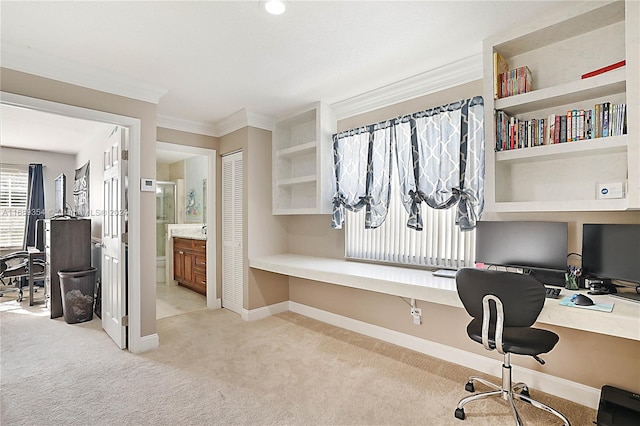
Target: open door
[(114, 284)]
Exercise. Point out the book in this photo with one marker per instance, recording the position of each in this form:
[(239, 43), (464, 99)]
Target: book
[(569, 126), (580, 133), (500, 66), (556, 128), (605, 119), (605, 69), (563, 128)]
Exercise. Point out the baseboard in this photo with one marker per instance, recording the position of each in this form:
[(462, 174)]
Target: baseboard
[(265, 311), (576, 392), (146, 343)]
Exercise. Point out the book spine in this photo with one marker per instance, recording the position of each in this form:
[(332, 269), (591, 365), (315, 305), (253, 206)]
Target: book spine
[(556, 127), (574, 125), (563, 128), (605, 119), (580, 135)]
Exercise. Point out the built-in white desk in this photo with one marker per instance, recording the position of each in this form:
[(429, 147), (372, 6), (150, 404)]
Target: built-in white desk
[(419, 284)]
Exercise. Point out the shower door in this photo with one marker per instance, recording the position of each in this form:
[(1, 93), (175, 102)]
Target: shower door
[(165, 213)]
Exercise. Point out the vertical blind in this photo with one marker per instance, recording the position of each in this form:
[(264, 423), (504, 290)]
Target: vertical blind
[(13, 204), (440, 244)]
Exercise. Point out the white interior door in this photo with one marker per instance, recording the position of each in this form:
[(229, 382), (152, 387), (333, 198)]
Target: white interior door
[(232, 255), (114, 286)]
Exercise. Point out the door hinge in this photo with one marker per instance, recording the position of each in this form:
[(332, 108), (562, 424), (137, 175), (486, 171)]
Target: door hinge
[(125, 238), (125, 321), (125, 155)]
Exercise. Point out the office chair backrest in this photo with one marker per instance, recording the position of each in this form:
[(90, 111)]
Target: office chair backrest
[(522, 296)]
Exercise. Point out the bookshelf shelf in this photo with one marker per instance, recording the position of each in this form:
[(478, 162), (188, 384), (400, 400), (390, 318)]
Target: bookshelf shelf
[(607, 84), (297, 180), (559, 49), (302, 162), (298, 150), (570, 150), (562, 206)]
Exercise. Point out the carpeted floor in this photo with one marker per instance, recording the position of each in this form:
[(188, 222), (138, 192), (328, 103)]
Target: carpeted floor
[(213, 368)]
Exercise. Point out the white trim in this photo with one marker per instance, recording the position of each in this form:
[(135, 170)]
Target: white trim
[(199, 128), (562, 388), (265, 311), (243, 118), (31, 61), (135, 343), (446, 76), (148, 343), (213, 302)]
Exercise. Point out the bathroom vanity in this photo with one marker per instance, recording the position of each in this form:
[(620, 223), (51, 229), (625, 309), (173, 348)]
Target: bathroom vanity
[(190, 263)]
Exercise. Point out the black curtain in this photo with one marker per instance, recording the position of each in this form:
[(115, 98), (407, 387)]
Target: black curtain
[(35, 204), (35, 207)]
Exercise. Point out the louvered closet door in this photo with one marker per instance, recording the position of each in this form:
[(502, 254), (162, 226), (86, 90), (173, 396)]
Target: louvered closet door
[(232, 256)]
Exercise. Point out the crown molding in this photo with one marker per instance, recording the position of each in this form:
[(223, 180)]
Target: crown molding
[(244, 118), (30, 61), (440, 78), (189, 126)]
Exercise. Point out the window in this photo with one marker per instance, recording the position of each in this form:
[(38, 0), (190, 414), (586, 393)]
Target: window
[(440, 244), (13, 204), (386, 171)]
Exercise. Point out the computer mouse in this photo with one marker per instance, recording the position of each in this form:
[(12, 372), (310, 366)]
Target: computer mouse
[(582, 300)]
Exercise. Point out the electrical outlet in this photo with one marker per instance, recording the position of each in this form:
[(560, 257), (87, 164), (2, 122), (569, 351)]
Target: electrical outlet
[(416, 313)]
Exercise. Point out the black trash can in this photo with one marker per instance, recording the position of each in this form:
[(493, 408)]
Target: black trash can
[(77, 288)]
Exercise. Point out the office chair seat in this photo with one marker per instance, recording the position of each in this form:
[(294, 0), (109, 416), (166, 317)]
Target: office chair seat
[(516, 340), (503, 307)]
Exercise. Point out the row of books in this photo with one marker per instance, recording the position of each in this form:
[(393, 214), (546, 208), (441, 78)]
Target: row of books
[(602, 120), (515, 82), (509, 82)]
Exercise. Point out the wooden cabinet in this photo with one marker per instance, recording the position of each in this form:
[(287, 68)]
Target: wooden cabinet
[(190, 263), (67, 246), (303, 180), (559, 49)]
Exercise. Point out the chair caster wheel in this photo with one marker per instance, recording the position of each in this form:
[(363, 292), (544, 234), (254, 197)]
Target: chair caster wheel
[(469, 387), (460, 413)]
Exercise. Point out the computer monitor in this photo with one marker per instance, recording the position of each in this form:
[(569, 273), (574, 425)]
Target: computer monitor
[(527, 245), (611, 251), (60, 184)]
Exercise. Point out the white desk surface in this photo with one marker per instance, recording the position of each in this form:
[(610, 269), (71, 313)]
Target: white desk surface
[(420, 284)]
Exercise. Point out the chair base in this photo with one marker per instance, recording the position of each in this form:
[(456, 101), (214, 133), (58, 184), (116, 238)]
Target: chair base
[(508, 391)]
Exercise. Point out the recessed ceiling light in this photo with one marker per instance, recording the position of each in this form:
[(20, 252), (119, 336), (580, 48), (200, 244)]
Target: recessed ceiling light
[(275, 7)]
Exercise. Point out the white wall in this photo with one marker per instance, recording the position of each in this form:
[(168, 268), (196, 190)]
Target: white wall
[(53, 163)]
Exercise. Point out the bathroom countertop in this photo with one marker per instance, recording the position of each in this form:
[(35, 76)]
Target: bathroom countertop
[(194, 232)]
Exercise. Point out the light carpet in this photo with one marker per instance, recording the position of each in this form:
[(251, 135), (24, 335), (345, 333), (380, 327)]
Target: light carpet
[(212, 368)]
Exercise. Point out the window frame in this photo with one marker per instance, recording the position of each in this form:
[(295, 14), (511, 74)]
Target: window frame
[(14, 199)]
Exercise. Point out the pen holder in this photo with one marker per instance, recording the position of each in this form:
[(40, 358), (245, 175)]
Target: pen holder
[(570, 281)]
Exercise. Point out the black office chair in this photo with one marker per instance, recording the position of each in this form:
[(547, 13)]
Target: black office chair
[(504, 306)]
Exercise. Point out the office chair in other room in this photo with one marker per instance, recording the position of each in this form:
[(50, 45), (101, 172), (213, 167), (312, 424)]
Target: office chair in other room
[(504, 306)]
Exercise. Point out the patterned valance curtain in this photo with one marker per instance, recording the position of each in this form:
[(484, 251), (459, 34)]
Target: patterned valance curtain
[(362, 161), (440, 158)]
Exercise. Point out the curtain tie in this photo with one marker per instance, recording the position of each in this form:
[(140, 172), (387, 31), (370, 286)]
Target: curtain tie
[(417, 196), (465, 195)]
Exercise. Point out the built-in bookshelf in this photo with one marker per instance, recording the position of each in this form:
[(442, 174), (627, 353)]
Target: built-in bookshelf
[(559, 49), (302, 162)]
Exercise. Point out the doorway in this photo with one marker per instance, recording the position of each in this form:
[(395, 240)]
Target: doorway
[(185, 208), (135, 341)]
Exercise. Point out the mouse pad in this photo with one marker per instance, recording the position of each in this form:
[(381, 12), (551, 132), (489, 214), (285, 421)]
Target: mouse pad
[(602, 307)]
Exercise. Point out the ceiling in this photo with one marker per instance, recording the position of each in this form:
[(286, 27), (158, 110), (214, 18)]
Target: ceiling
[(211, 59)]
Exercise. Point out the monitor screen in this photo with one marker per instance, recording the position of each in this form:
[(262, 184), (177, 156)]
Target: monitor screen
[(611, 251), (61, 195), (527, 245)]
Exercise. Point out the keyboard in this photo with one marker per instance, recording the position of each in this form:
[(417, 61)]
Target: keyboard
[(634, 297), (553, 293)]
